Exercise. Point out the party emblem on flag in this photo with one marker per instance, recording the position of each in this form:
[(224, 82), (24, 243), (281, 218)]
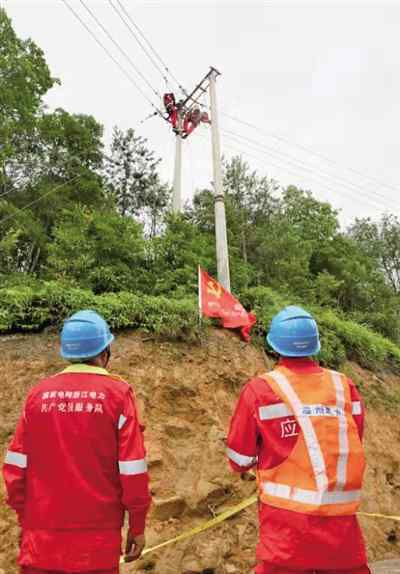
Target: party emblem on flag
[(216, 302)]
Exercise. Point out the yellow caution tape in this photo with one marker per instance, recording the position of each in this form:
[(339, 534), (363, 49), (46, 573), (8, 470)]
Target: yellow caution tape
[(376, 515), (202, 527), (231, 512)]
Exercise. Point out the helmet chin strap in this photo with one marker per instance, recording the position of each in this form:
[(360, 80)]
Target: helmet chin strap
[(108, 356)]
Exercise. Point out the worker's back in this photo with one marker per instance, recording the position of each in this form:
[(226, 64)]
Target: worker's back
[(72, 425), (301, 426), (77, 462)]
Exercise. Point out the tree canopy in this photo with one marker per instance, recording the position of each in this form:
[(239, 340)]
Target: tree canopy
[(82, 214)]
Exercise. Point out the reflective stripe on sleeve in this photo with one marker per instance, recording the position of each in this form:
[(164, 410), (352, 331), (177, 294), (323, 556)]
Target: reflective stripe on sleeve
[(356, 407), (241, 459), (311, 497), (271, 412), (343, 437), (16, 459), (121, 421), (131, 467)]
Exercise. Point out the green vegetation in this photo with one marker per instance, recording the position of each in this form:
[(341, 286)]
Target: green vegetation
[(34, 307), (83, 228)]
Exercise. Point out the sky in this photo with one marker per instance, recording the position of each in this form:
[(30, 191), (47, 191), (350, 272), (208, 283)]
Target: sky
[(315, 86)]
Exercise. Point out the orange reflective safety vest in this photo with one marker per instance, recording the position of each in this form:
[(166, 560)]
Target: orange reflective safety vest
[(323, 474)]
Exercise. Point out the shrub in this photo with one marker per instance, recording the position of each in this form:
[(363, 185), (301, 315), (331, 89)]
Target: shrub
[(341, 338), (32, 309)]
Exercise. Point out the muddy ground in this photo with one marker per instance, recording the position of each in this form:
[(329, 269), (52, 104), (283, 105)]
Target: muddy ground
[(187, 393)]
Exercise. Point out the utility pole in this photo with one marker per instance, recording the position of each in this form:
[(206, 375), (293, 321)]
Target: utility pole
[(177, 194), (221, 238), (190, 109)]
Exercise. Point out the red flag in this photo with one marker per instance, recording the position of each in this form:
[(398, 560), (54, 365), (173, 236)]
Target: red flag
[(216, 302)]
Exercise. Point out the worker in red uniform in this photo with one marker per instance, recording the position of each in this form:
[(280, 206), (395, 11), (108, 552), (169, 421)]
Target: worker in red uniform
[(192, 119), (171, 109), (301, 427), (77, 462)]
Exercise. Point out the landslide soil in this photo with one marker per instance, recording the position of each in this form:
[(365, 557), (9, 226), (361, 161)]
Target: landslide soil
[(186, 394)]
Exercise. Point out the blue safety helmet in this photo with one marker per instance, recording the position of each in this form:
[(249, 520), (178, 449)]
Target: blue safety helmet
[(294, 333), (84, 336)]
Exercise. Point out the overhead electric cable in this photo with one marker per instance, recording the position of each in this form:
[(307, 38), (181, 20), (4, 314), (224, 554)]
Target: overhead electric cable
[(307, 167), (137, 39), (167, 69), (110, 55), (311, 151), (336, 191), (122, 51), (104, 156), (285, 169), (265, 165), (7, 192), (52, 190)]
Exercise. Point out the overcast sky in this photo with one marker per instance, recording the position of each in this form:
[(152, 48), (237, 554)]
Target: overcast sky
[(321, 76)]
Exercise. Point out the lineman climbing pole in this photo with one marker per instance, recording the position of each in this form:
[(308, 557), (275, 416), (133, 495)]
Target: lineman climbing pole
[(189, 116)]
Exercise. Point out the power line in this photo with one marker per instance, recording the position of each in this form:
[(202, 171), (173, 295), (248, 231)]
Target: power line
[(284, 167), (287, 170), (312, 152), (298, 163), (306, 167), (339, 191), (52, 190), (137, 39), (151, 47), (7, 192), (104, 157), (110, 55), (126, 56), (278, 166)]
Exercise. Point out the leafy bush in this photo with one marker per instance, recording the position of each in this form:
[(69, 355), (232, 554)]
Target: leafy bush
[(340, 337), (367, 347), (98, 250), (34, 308)]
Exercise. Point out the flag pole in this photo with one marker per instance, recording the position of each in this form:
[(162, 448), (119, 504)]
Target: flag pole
[(199, 280)]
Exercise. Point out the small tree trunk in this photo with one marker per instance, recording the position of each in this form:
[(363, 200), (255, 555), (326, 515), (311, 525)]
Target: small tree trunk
[(244, 245), (34, 260)]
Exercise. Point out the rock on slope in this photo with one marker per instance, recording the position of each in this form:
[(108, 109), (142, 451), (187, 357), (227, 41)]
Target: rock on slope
[(187, 393)]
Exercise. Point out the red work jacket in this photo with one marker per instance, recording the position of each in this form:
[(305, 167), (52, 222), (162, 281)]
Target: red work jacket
[(286, 538), (75, 464)]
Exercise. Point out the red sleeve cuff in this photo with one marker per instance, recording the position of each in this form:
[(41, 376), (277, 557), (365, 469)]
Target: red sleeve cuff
[(137, 522)]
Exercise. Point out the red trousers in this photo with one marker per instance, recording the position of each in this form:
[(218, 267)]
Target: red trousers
[(29, 570), (265, 568)]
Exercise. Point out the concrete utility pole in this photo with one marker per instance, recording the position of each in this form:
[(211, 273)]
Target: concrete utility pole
[(220, 217), (177, 194)]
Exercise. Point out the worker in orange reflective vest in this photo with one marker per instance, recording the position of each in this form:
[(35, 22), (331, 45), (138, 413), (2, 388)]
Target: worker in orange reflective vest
[(301, 427), (77, 462)]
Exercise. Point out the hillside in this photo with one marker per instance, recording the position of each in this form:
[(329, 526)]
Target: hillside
[(186, 393)]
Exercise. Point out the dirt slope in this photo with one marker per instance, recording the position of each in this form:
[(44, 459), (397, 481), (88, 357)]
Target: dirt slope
[(387, 567), (187, 394)]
